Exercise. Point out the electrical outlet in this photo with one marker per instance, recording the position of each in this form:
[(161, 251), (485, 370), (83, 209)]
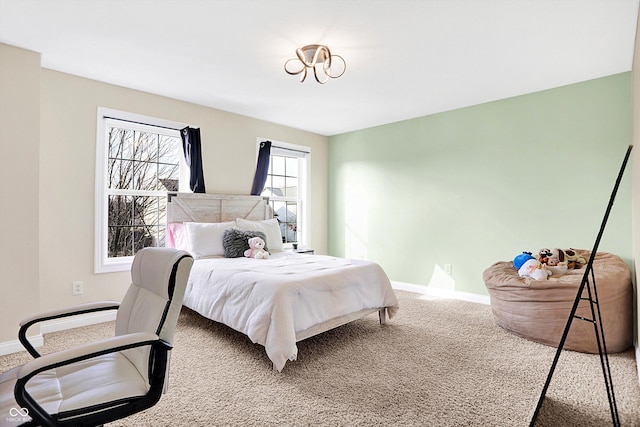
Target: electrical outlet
[(77, 288), (447, 269)]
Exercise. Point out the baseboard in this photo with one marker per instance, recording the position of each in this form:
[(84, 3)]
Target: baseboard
[(434, 292), (56, 325), (14, 346), (77, 321)]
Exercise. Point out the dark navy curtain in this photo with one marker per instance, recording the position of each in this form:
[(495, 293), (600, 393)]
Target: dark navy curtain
[(191, 146), (260, 179)]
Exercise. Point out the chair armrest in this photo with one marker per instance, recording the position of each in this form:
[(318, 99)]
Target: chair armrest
[(74, 355), (70, 311), (86, 351), (59, 313)]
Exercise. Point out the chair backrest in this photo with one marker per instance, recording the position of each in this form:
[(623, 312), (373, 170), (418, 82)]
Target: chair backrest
[(152, 304)]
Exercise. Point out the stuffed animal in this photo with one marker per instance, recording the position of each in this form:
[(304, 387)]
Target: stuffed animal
[(521, 259), (557, 258), (543, 255), (574, 260), (561, 258), (534, 269), (256, 249)]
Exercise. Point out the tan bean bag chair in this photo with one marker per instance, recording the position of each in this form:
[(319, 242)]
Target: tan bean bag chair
[(539, 310)]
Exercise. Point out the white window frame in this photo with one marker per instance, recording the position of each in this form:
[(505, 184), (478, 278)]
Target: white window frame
[(304, 189), (102, 263)]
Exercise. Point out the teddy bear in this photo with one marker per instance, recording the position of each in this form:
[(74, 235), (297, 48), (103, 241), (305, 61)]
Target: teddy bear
[(552, 257), (534, 269), (256, 249), (543, 255), (565, 259), (574, 260)]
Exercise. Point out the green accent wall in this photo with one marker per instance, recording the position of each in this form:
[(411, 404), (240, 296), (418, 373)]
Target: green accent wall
[(473, 186)]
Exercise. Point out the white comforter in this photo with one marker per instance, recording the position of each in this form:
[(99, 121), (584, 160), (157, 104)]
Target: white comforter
[(270, 300)]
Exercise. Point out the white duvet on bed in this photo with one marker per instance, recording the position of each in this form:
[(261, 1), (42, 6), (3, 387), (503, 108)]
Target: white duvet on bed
[(270, 300)]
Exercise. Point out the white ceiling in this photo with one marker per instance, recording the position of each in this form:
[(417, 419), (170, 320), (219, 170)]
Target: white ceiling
[(405, 58)]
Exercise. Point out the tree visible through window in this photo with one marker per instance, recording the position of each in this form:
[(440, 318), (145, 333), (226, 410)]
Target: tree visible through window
[(141, 164), (138, 161)]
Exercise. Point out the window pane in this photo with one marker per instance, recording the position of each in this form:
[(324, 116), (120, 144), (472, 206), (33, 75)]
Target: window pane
[(277, 186), (145, 210), (279, 207), (120, 210), (278, 165), (146, 147), (120, 239), (144, 238), (290, 226), (119, 226), (120, 174), (150, 217), (291, 187), (292, 166), (169, 177), (287, 215), (120, 143), (145, 176), (269, 182), (170, 150)]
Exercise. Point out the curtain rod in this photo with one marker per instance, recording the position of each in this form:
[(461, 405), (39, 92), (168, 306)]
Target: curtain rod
[(275, 145), (141, 123)]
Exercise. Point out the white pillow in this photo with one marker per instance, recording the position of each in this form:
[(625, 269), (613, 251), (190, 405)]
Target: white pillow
[(269, 227), (205, 238)]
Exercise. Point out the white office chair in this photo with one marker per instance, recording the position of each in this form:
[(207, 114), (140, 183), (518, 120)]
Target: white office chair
[(103, 381)]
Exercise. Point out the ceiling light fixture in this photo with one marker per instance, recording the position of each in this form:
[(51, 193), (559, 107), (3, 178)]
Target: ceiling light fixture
[(319, 58)]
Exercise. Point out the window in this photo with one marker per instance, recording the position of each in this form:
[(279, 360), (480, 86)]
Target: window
[(287, 187), (139, 160)]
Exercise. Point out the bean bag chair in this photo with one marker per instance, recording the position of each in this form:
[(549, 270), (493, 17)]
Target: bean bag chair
[(539, 310)]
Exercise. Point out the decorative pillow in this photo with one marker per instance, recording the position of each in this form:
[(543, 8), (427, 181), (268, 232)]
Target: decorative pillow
[(269, 227), (236, 241), (177, 236), (205, 239)]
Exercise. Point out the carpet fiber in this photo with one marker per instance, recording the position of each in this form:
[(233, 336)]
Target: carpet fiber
[(438, 362)]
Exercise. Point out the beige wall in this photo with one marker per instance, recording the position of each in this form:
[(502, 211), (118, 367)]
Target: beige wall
[(65, 191), (635, 173), (19, 145)]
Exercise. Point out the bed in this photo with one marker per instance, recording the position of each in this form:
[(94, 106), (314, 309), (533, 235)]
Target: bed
[(277, 301)]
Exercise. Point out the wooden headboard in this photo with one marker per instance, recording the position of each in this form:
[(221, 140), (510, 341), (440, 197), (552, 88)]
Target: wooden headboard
[(198, 207)]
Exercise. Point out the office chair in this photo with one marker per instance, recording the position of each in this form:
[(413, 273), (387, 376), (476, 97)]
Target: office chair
[(100, 382)]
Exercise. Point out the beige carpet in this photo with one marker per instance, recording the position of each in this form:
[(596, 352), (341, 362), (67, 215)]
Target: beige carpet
[(437, 363)]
